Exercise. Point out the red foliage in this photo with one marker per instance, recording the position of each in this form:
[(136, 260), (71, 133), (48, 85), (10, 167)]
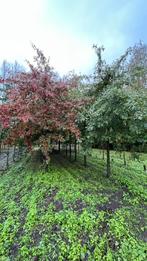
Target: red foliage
[(39, 103)]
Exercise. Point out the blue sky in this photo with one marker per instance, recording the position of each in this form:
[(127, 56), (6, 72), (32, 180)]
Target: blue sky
[(66, 30)]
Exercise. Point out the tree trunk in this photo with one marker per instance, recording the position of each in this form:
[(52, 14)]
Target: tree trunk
[(14, 153), (66, 149), (75, 149), (108, 160), (124, 158), (70, 147), (7, 161), (20, 151), (103, 155), (85, 160), (78, 148), (59, 146)]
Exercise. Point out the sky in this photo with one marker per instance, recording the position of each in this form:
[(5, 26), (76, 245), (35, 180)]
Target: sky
[(66, 30)]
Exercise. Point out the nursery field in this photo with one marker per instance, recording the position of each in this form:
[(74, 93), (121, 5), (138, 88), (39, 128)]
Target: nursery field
[(74, 212), (73, 132)]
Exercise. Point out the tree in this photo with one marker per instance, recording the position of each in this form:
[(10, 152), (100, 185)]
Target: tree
[(82, 92), (39, 106), (8, 71), (137, 66), (116, 115)]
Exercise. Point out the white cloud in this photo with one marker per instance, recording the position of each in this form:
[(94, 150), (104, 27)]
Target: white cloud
[(67, 41), (19, 21), (23, 22)]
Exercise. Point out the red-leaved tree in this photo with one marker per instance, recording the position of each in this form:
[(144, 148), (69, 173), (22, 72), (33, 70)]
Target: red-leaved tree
[(40, 106)]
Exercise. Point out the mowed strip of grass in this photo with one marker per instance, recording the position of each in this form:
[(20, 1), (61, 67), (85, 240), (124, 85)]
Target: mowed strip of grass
[(72, 212)]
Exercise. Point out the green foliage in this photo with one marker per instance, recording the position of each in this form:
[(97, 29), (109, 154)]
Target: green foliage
[(70, 213), (116, 113)]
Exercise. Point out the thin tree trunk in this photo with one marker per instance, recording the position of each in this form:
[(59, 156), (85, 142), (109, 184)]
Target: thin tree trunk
[(85, 160), (66, 148), (70, 147), (78, 148), (20, 151), (14, 153), (75, 149), (124, 158), (7, 161), (59, 146), (103, 155), (108, 160)]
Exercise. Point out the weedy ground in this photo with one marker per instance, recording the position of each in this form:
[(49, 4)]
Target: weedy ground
[(72, 212)]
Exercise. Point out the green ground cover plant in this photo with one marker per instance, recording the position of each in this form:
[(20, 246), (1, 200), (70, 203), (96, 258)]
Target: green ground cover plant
[(72, 212)]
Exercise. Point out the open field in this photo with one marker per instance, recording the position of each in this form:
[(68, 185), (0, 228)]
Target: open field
[(72, 212)]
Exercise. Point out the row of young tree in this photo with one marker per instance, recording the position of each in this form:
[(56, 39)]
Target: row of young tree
[(107, 108)]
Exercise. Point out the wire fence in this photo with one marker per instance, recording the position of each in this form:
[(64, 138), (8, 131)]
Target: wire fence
[(9, 155)]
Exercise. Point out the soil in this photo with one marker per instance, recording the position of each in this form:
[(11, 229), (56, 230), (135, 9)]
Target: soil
[(114, 202)]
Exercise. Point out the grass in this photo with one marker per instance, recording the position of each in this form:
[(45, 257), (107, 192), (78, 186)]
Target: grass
[(74, 213)]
